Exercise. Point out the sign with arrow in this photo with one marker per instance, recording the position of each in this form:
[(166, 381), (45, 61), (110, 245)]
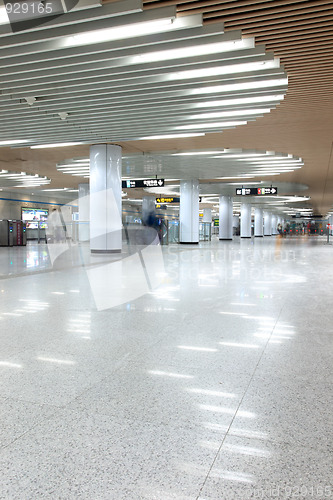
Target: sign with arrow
[(259, 191), (170, 199), (142, 183)]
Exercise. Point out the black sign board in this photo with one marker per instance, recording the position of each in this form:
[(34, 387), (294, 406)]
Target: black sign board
[(170, 199), (260, 191), (142, 183)]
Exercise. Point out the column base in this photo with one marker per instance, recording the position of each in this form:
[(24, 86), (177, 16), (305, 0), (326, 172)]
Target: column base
[(258, 235), (225, 239), (105, 251), (246, 237), (267, 235), (189, 243)]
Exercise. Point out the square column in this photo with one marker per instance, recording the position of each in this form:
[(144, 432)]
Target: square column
[(225, 221), (105, 199), (258, 223), (84, 212), (245, 222), (148, 210), (207, 215), (267, 224), (274, 224), (189, 212)]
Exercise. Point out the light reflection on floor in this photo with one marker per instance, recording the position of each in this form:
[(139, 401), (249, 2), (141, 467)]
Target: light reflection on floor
[(214, 385)]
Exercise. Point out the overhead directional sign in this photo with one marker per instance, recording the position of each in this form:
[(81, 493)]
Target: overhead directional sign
[(170, 199), (259, 191), (143, 183)]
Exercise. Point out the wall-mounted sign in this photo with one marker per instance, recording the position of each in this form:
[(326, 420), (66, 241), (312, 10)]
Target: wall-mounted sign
[(170, 199), (256, 191), (142, 183)]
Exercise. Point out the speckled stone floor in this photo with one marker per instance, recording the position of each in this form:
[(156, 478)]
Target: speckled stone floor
[(207, 377)]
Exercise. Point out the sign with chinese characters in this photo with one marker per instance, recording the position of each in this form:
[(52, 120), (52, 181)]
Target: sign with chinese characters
[(262, 191), (142, 183), (170, 199)]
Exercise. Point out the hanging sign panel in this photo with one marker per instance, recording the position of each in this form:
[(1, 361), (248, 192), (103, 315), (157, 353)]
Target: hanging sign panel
[(142, 183), (170, 199), (259, 191)]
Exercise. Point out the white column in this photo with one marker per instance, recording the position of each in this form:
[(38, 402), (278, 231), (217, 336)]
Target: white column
[(105, 199), (225, 221), (189, 211), (245, 222), (267, 224), (207, 215), (274, 224), (258, 222), (148, 208), (84, 212)]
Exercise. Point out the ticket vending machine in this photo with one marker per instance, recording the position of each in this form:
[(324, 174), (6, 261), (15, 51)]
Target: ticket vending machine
[(12, 233), (6, 233), (19, 233)]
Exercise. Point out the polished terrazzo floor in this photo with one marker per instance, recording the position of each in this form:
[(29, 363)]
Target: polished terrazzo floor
[(216, 384)]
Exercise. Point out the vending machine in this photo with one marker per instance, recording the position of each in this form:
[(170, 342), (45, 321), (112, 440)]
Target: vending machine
[(19, 233), (6, 233), (12, 233)]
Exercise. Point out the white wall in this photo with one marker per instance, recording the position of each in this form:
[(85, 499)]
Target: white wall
[(10, 207)]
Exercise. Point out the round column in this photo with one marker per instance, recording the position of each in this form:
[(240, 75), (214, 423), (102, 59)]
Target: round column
[(258, 223), (267, 224), (189, 211), (245, 221), (105, 199), (225, 220), (274, 225), (84, 212)]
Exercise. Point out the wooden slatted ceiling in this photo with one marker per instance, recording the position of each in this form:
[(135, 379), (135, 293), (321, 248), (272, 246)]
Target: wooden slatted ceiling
[(301, 34)]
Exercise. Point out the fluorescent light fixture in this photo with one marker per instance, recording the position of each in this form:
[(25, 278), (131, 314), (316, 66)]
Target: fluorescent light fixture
[(246, 156), (56, 189), (57, 145), (241, 184), (272, 159), (193, 51), (225, 70), (196, 153), (240, 101), (169, 136), (13, 142), (236, 177), (262, 84), (74, 165), (120, 33), (211, 125), (223, 114), (256, 174)]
